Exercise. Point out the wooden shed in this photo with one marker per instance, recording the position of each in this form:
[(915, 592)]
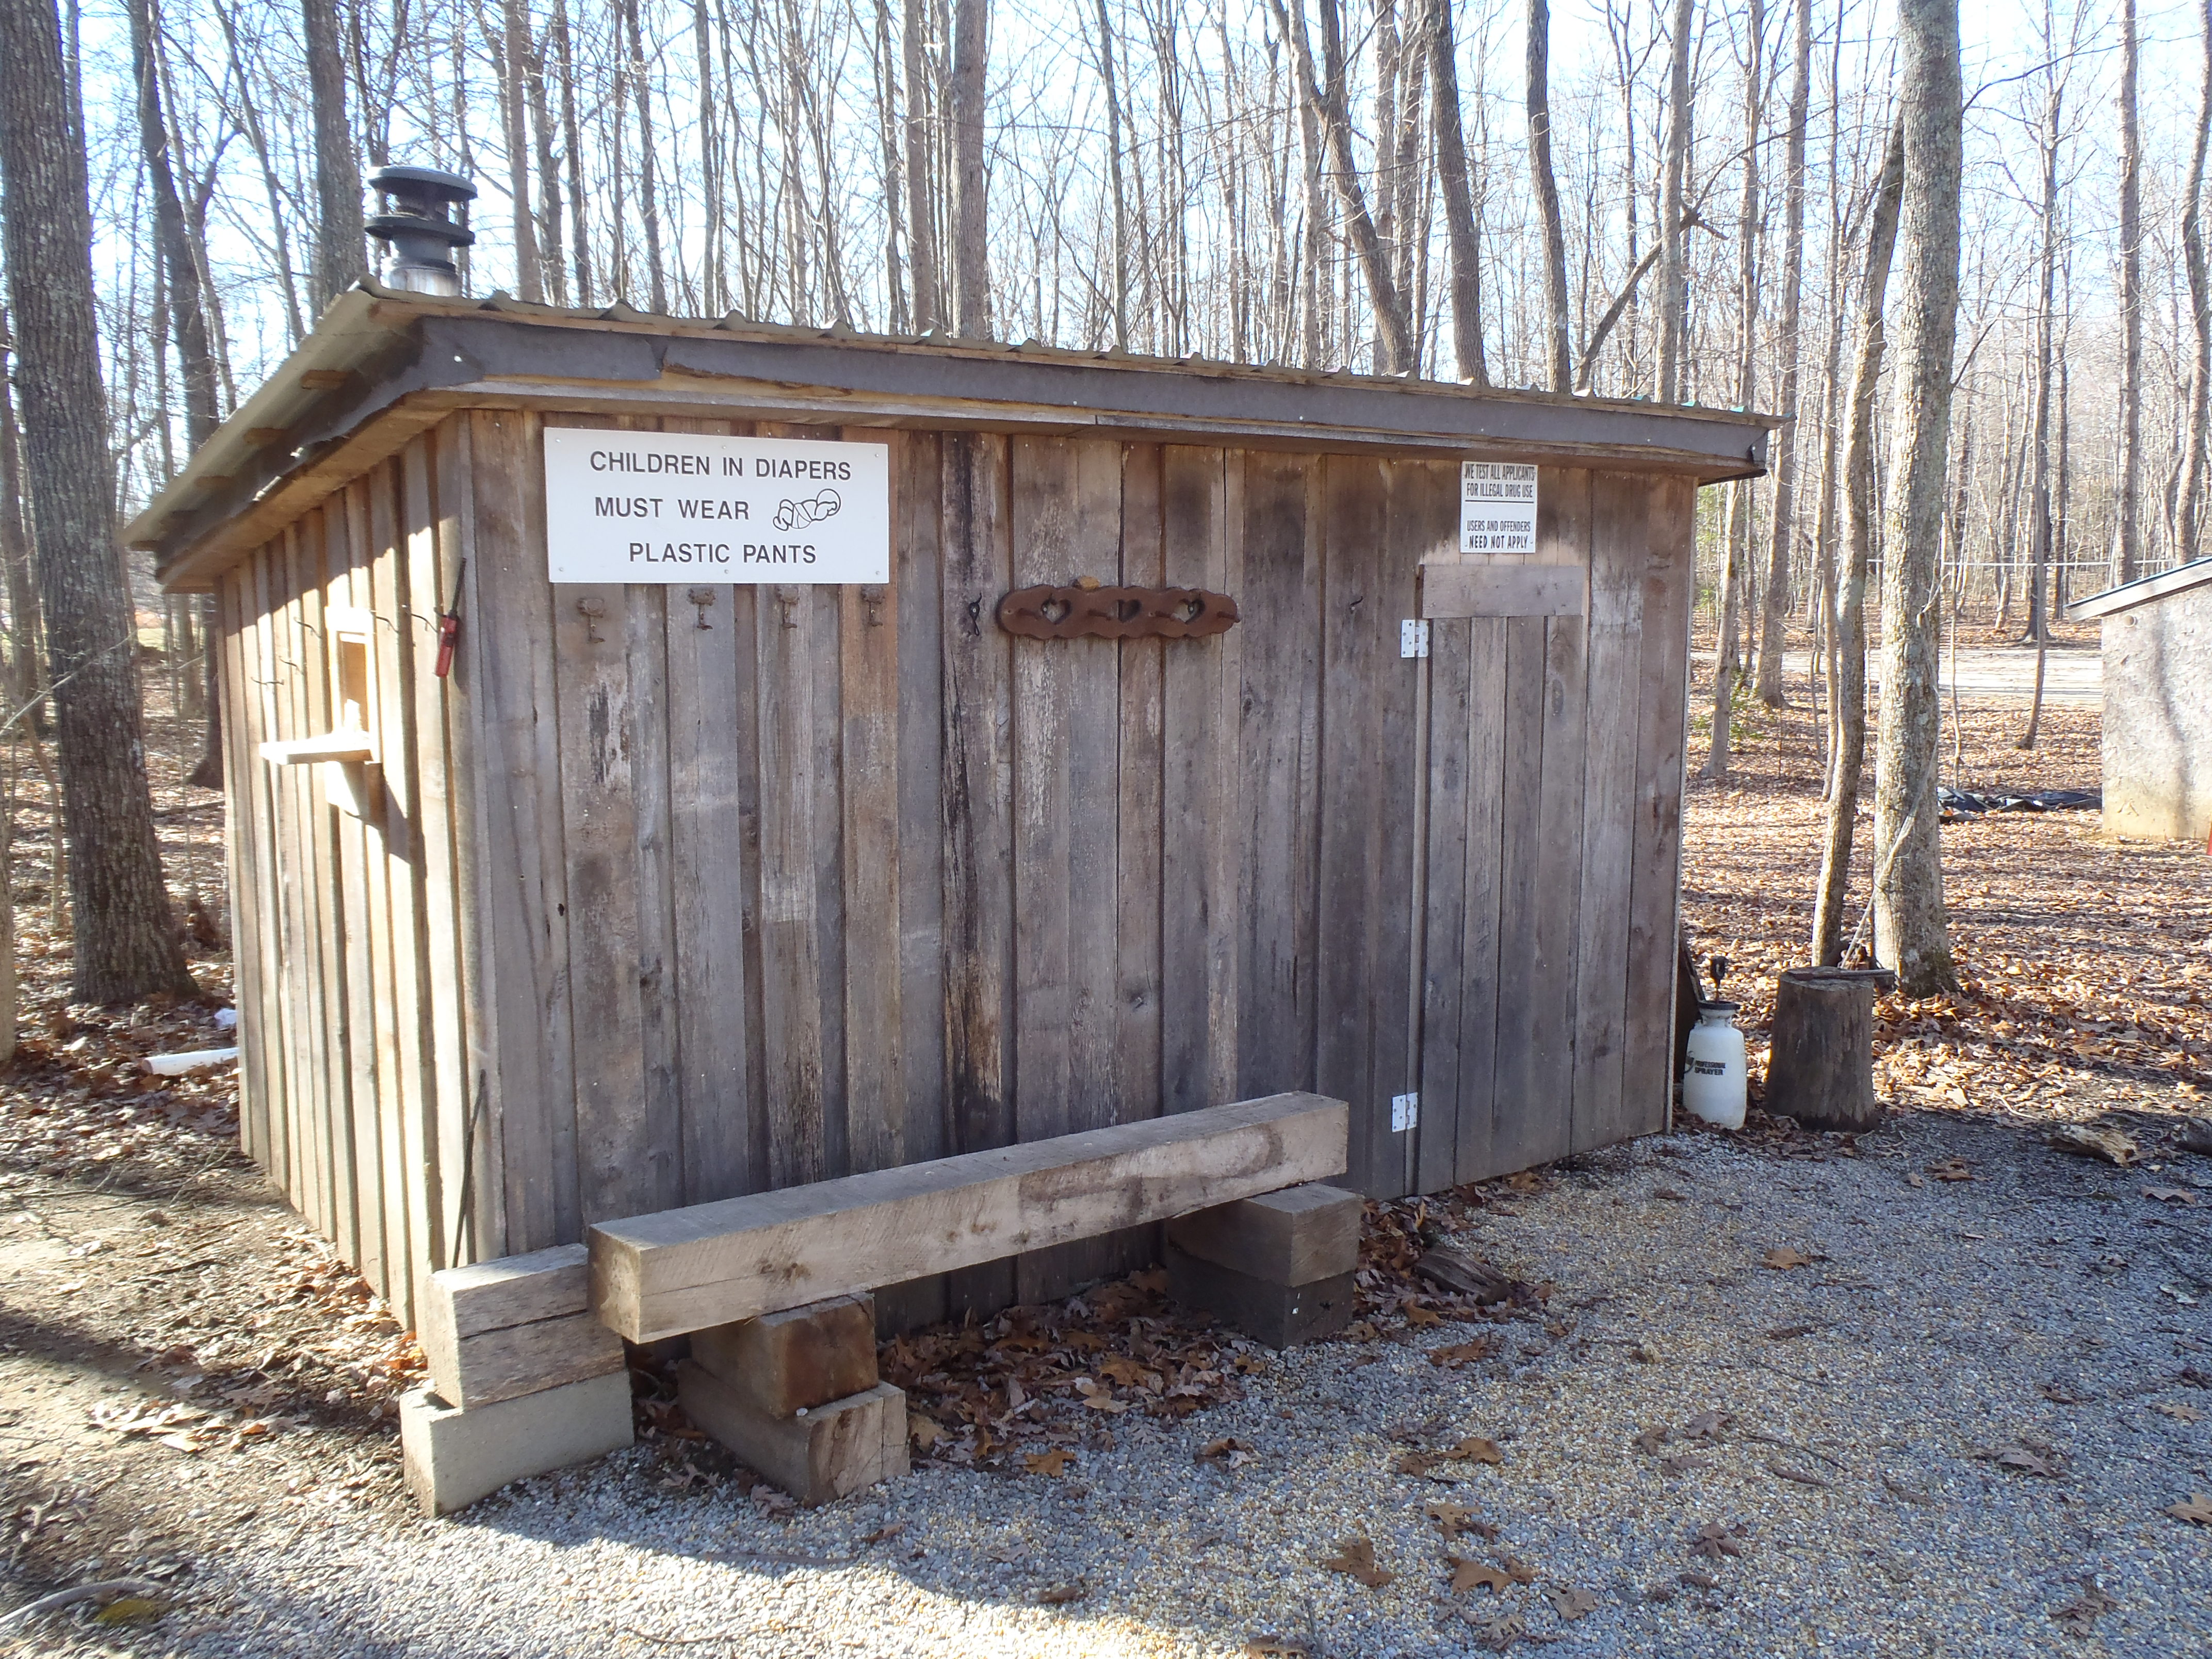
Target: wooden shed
[(2157, 728), (712, 879)]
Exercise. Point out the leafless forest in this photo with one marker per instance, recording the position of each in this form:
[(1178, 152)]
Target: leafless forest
[(1698, 201)]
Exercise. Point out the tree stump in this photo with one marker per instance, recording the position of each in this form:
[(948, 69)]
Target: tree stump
[(1820, 1070)]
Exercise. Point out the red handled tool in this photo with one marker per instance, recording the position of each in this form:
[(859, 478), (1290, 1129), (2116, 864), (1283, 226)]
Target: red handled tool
[(449, 625)]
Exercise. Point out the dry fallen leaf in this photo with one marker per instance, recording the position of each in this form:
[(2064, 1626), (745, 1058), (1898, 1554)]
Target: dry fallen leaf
[(1705, 1425), (1519, 1571), (129, 1610), (1130, 1373), (1419, 1317), (2058, 1394), (923, 1432), (2196, 1509), (884, 1534), (1228, 1452), (1572, 1603), (1464, 1353), (2175, 1408), (1790, 1332), (1053, 1463), (1715, 1540), (1456, 1518), (1651, 1440), (1062, 1594), (1782, 1259), (1467, 1575), (2048, 1465), (1951, 1169), (1474, 1449), (2079, 1616), (1415, 1463), (1914, 1180), (1356, 1556), (2170, 1194), (1098, 1399), (1276, 1647)]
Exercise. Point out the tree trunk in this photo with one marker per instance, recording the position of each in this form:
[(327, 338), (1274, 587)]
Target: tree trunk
[(125, 945), (648, 190), (971, 269), (1119, 276), (1673, 275), (920, 205), (572, 141), (1849, 697), (23, 630), (340, 259), (2040, 521), (1559, 353), (1912, 931), (1325, 96), (2127, 533), (2188, 507), (514, 50), (1773, 620), (187, 315), (1463, 251)]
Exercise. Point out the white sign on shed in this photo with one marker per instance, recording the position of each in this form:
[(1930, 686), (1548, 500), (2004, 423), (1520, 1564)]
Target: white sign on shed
[(1497, 508), (670, 506)]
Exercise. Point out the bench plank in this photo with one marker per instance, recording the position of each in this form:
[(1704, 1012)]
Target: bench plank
[(661, 1275)]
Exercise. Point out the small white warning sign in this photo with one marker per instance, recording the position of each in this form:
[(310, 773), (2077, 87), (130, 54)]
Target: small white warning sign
[(1497, 507)]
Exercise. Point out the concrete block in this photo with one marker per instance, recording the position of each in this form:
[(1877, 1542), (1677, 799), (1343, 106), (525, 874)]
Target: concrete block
[(842, 1447), (1299, 1236), (784, 1363), (453, 1458), (1280, 1315)]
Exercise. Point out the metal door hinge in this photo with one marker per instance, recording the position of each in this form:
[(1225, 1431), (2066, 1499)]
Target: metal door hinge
[(1412, 638), (1405, 1113)]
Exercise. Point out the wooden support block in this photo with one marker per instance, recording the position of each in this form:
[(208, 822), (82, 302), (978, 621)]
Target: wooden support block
[(1280, 1315), (1820, 1068), (453, 1458), (1295, 1237), (514, 1327), (834, 1450), (783, 1363), (711, 1264), (1504, 590)]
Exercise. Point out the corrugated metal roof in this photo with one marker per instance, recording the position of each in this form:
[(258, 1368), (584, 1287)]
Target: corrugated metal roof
[(376, 348)]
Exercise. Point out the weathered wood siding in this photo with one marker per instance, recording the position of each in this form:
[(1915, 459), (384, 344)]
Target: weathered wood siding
[(353, 1065), (715, 891)]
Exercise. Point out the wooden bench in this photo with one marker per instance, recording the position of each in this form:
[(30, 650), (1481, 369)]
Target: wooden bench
[(537, 1328)]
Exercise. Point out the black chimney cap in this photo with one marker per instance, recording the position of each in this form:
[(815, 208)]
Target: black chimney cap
[(421, 231)]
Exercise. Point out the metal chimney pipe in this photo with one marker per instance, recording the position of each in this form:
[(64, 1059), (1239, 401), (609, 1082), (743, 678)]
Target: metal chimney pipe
[(420, 228)]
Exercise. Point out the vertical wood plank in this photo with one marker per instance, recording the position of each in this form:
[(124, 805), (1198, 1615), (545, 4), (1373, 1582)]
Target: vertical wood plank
[(598, 631), (272, 790), (384, 1266), (918, 458), (1200, 544), (1654, 889), (245, 858), (868, 707), (790, 943), (305, 807), (521, 878), (1547, 663), (425, 579), (707, 862), (352, 1145), (1619, 520), (1444, 975), (1041, 496), (397, 825), (978, 814), (1138, 1082), (1481, 972), (1279, 599)]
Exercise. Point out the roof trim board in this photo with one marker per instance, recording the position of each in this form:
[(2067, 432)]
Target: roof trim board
[(2144, 590)]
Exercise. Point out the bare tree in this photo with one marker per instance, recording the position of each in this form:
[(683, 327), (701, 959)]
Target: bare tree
[(2127, 533), (1559, 353), (126, 946), (1774, 614), (1912, 931), (1849, 651), (1460, 234), (2188, 505), (1673, 275), (340, 260), (971, 273)]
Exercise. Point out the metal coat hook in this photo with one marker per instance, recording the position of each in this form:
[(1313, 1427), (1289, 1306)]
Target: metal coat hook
[(593, 608), (872, 595), (703, 598), (788, 598)]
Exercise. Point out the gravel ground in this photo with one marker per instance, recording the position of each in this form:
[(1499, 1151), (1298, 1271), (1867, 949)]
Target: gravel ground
[(1850, 1485)]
